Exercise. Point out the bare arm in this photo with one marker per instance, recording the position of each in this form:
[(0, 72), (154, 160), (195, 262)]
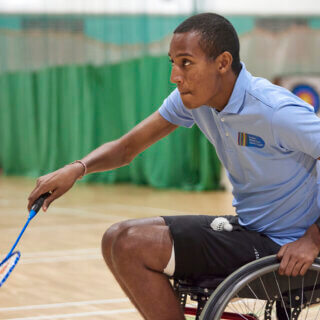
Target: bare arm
[(108, 156), (121, 152)]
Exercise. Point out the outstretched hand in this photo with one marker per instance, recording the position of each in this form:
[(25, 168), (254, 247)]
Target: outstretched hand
[(57, 183), (297, 257)]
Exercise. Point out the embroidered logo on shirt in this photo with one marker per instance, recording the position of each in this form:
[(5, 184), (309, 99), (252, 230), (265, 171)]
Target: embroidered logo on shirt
[(250, 140)]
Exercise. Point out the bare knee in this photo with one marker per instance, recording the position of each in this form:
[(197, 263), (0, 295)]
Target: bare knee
[(112, 233), (147, 245), (109, 237)]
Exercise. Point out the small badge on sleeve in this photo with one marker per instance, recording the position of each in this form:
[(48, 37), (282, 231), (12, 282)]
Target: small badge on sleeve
[(250, 140)]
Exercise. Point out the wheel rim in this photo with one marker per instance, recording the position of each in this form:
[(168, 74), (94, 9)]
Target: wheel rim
[(287, 306)]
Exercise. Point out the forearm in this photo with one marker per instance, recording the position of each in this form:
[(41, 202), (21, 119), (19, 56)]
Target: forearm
[(121, 152), (108, 156), (313, 234)]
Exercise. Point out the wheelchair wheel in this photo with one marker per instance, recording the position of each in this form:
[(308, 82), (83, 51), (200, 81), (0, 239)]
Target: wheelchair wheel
[(257, 291)]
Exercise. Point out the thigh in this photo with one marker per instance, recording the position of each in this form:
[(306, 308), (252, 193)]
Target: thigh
[(118, 227), (114, 231), (146, 240), (199, 250)]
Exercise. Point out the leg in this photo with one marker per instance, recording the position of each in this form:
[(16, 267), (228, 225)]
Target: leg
[(108, 241), (136, 252)]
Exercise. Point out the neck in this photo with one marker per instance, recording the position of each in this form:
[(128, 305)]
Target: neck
[(226, 86)]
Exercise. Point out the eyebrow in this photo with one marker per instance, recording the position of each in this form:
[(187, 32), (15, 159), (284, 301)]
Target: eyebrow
[(181, 54)]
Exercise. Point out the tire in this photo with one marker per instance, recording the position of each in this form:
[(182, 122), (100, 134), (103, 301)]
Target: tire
[(257, 291)]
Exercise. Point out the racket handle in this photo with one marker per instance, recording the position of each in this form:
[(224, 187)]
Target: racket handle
[(38, 204)]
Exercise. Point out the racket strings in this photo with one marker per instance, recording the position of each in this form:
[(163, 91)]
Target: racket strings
[(7, 266)]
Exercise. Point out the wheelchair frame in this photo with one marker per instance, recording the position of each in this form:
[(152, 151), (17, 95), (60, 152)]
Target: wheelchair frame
[(288, 301)]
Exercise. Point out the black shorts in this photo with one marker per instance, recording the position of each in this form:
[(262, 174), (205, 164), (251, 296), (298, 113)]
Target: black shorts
[(201, 251)]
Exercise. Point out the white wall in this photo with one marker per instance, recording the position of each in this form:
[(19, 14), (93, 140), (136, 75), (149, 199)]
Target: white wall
[(98, 6), (260, 7)]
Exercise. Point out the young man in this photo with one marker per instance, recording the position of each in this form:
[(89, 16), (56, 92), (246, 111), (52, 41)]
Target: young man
[(267, 139)]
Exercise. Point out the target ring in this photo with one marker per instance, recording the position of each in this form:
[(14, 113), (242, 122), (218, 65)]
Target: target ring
[(308, 94)]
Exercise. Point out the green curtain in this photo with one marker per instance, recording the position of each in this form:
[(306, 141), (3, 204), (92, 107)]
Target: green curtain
[(53, 116)]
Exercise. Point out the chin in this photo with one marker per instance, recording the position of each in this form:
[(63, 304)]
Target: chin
[(190, 104)]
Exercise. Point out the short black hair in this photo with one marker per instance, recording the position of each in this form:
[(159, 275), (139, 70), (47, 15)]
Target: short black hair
[(217, 35)]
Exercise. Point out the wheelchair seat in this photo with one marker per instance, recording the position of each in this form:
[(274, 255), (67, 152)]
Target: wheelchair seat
[(198, 290), (202, 282)]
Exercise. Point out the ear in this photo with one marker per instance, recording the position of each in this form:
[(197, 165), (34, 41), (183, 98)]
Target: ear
[(224, 62)]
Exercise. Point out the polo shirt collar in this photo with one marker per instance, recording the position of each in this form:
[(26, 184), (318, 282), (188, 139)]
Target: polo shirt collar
[(236, 100)]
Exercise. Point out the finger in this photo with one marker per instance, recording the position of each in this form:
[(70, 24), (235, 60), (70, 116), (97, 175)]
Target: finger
[(281, 252), (284, 258), (54, 195), (35, 194), (288, 268), (296, 269), (305, 268), (43, 186), (306, 264), (285, 262)]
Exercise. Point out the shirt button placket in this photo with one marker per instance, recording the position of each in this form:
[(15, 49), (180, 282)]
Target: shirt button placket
[(227, 133)]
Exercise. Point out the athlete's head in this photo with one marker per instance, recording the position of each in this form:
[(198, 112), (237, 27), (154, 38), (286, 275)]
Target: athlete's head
[(204, 50), (217, 35)]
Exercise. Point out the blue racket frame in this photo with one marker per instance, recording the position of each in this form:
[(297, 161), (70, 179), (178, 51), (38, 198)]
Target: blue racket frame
[(34, 210)]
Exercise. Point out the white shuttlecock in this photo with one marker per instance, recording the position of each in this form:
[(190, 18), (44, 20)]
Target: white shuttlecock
[(221, 224)]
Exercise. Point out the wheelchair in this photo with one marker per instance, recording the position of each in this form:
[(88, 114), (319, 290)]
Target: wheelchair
[(255, 291)]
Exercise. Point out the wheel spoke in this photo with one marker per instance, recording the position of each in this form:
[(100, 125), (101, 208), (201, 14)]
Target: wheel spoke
[(234, 310), (302, 287), (264, 288), (257, 299), (290, 300), (312, 293), (250, 292), (240, 303), (284, 306)]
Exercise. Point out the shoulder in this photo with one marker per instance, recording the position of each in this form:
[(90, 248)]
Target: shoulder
[(273, 96), (294, 116)]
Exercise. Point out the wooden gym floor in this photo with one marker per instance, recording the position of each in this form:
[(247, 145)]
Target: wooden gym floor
[(61, 273)]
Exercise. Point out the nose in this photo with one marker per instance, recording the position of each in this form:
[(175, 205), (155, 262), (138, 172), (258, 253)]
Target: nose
[(176, 76)]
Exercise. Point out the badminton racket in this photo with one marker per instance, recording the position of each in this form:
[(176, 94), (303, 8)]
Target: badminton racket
[(10, 261)]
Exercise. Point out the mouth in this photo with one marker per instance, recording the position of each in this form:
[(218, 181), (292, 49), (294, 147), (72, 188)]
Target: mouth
[(183, 93)]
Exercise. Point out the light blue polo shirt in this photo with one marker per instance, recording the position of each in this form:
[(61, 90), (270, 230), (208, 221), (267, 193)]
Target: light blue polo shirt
[(268, 139)]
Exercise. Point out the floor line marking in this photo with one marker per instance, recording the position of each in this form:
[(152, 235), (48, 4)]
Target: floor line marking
[(59, 226), (59, 256), (61, 252), (129, 207), (86, 213), (91, 212), (61, 259), (64, 304), (76, 315)]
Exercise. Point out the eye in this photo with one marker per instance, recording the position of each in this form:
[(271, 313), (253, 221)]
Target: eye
[(186, 62)]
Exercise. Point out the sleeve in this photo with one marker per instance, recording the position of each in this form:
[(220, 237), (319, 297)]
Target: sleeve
[(297, 128), (175, 112)]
